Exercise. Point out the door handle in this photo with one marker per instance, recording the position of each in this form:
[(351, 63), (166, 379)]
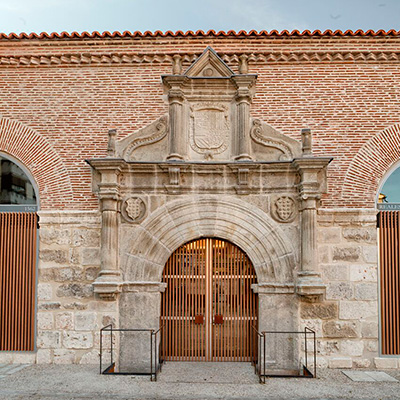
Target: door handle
[(218, 319), (199, 319)]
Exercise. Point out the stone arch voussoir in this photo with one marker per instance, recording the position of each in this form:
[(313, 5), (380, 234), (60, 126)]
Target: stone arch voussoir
[(45, 165), (248, 227)]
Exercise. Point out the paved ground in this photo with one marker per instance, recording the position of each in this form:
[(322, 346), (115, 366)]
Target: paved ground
[(186, 381), (8, 369)]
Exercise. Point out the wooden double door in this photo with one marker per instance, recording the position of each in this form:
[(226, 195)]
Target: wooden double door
[(209, 309)]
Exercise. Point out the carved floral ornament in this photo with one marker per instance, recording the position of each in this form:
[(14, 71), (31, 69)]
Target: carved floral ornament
[(133, 209)]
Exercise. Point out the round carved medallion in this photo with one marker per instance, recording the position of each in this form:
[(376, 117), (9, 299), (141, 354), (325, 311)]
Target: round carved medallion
[(133, 209), (283, 209)]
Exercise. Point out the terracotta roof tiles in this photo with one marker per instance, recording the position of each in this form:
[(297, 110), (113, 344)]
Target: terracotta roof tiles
[(127, 34)]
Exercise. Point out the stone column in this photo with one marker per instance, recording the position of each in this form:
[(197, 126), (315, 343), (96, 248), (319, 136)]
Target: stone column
[(312, 172), (244, 96), (177, 142), (107, 283)]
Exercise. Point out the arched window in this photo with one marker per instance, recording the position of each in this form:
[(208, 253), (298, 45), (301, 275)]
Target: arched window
[(16, 187), (389, 192), (388, 203), (18, 255)]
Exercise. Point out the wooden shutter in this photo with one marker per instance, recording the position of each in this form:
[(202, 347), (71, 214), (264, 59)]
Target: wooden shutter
[(17, 280), (389, 238)]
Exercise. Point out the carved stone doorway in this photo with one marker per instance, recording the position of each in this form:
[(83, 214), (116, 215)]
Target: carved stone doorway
[(209, 307)]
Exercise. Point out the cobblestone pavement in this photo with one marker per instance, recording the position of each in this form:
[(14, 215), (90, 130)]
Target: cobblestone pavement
[(186, 381)]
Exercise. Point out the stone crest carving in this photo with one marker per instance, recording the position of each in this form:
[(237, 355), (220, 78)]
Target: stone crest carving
[(133, 209), (209, 128), (283, 209)]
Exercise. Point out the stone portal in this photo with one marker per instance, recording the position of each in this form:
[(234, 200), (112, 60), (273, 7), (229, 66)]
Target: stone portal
[(207, 169)]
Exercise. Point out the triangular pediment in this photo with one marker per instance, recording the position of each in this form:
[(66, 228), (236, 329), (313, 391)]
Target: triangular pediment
[(209, 65)]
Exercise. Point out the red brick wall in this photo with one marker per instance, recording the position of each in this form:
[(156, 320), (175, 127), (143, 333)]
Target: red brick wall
[(65, 92)]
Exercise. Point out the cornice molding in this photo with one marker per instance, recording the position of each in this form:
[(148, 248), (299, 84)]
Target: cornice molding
[(86, 59)]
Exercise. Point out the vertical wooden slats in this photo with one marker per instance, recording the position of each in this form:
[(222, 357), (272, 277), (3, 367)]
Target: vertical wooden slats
[(389, 239), (17, 280), (208, 277)]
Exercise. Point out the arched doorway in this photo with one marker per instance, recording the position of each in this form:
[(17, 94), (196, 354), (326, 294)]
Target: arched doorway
[(388, 204), (18, 256), (208, 309)]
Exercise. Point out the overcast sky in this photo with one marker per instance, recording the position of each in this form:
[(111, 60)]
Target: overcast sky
[(141, 15)]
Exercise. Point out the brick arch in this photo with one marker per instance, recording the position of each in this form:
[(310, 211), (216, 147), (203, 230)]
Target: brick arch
[(369, 166), (181, 221), (43, 162)]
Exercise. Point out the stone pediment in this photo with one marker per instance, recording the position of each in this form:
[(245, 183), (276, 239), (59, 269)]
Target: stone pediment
[(209, 65)]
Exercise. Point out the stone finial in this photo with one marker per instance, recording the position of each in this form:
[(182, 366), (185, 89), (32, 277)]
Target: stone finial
[(306, 141), (111, 152), (243, 64), (177, 64)]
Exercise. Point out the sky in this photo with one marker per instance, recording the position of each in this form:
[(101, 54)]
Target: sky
[(391, 188), (151, 15)]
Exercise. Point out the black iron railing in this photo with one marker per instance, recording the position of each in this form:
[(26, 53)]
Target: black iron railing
[(263, 344), (258, 355), (155, 359)]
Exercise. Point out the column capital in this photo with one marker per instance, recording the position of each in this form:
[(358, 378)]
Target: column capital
[(312, 172)]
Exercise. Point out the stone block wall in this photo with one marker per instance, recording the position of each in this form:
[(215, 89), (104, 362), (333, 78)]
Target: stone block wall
[(69, 316), (347, 320)]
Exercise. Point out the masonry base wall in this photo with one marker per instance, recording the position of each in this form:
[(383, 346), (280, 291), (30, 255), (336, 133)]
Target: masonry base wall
[(69, 316)]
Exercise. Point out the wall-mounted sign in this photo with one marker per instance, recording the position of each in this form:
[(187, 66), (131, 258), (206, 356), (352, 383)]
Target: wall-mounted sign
[(388, 206)]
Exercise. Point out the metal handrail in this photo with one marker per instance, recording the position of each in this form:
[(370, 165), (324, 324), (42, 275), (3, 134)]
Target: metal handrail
[(306, 331), (157, 367), (259, 366), (154, 351)]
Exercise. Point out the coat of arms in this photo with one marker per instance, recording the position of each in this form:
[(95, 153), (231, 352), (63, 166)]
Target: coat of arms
[(285, 208), (134, 208), (209, 131)]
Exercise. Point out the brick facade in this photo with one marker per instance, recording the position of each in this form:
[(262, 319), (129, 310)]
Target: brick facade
[(60, 94), (71, 90)]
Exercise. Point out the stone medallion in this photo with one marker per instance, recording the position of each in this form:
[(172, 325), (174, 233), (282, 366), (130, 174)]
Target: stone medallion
[(283, 209), (133, 209)]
